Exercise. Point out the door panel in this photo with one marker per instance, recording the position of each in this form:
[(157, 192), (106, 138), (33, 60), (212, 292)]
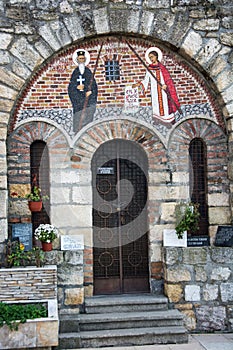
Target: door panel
[(120, 218)]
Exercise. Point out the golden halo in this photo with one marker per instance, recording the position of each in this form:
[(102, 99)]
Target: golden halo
[(87, 55), (159, 52)]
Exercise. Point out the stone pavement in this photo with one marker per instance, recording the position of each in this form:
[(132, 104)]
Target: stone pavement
[(196, 342)]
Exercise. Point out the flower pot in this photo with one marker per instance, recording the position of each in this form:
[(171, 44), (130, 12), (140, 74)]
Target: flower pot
[(47, 247), (35, 206)]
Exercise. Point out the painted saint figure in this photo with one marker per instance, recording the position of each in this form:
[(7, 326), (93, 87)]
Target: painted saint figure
[(163, 92), (82, 91)]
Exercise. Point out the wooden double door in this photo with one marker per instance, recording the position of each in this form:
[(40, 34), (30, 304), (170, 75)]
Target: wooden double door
[(120, 224)]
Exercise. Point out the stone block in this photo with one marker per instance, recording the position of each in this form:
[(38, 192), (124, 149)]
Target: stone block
[(192, 293), (219, 215), (177, 274), (189, 319), (172, 255), (74, 257), (224, 80), (25, 52), (174, 292), (25, 336), (211, 318), (222, 255), (226, 291), (220, 199), (49, 36), (226, 39), (167, 211), (209, 24), (3, 229), (72, 215), (156, 252), (74, 296), (88, 291), (82, 194), (208, 51), (101, 20), (192, 43), (5, 40), (220, 274), (45, 338), (200, 274), (197, 255), (6, 92), (70, 275), (146, 22), (210, 292)]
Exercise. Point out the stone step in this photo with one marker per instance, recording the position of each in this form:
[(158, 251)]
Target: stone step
[(131, 320), (124, 337), (88, 322), (125, 303)]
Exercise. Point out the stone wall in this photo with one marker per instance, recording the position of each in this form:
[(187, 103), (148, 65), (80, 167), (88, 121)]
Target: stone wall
[(70, 284), (199, 282), (31, 283)]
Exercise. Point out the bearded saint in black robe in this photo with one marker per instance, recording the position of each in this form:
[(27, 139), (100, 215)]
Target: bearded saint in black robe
[(83, 92)]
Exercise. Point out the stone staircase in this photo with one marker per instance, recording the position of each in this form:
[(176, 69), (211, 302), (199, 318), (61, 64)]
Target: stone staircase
[(122, 320)]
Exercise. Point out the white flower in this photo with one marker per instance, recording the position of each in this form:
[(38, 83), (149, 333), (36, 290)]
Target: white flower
[(46, 233)]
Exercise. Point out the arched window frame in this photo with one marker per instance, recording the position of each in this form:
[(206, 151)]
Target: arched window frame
[(198, 181)]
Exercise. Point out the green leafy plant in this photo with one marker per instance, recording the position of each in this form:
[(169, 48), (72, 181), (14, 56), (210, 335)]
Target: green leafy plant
[(17, 256), (38, 256), (35, 195), (14, 314), (187, 218)]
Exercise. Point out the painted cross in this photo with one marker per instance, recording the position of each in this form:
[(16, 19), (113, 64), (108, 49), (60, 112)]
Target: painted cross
[(80, 80)]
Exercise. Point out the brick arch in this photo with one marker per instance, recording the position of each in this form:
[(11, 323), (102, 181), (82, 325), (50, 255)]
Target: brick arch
[(91, 139), (19, 180), (25, 134)]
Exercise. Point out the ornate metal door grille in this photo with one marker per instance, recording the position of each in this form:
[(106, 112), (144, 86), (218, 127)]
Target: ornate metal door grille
[(120, 218)]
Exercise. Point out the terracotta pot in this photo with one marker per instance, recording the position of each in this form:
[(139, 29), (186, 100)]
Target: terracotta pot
[(47, 247), (35, 206)]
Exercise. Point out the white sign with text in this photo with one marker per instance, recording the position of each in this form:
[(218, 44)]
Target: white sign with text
[(75, 242)]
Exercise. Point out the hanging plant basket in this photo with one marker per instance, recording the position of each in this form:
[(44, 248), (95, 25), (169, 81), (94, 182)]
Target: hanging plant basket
[(35, 206)]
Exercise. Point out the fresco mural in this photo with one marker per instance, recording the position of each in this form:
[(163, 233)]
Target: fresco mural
[(116, 78), (82, 90)]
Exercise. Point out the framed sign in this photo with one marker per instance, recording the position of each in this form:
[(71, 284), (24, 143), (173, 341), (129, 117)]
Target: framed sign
[(24, 233)]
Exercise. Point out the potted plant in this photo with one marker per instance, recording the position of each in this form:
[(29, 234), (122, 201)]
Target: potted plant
[(35, 199), (46, 233), (187, 218)]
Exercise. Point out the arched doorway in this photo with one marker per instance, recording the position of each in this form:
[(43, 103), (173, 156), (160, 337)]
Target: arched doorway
[(120, 224)]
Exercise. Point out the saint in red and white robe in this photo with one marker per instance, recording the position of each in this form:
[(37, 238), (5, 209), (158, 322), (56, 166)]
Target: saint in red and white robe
[(163, 107)]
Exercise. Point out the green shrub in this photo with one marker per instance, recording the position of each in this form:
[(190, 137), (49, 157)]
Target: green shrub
[(14, 314)]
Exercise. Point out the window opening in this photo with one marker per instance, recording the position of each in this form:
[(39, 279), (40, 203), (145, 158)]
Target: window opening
[(112, 69), (198, 181), (39, 166)]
